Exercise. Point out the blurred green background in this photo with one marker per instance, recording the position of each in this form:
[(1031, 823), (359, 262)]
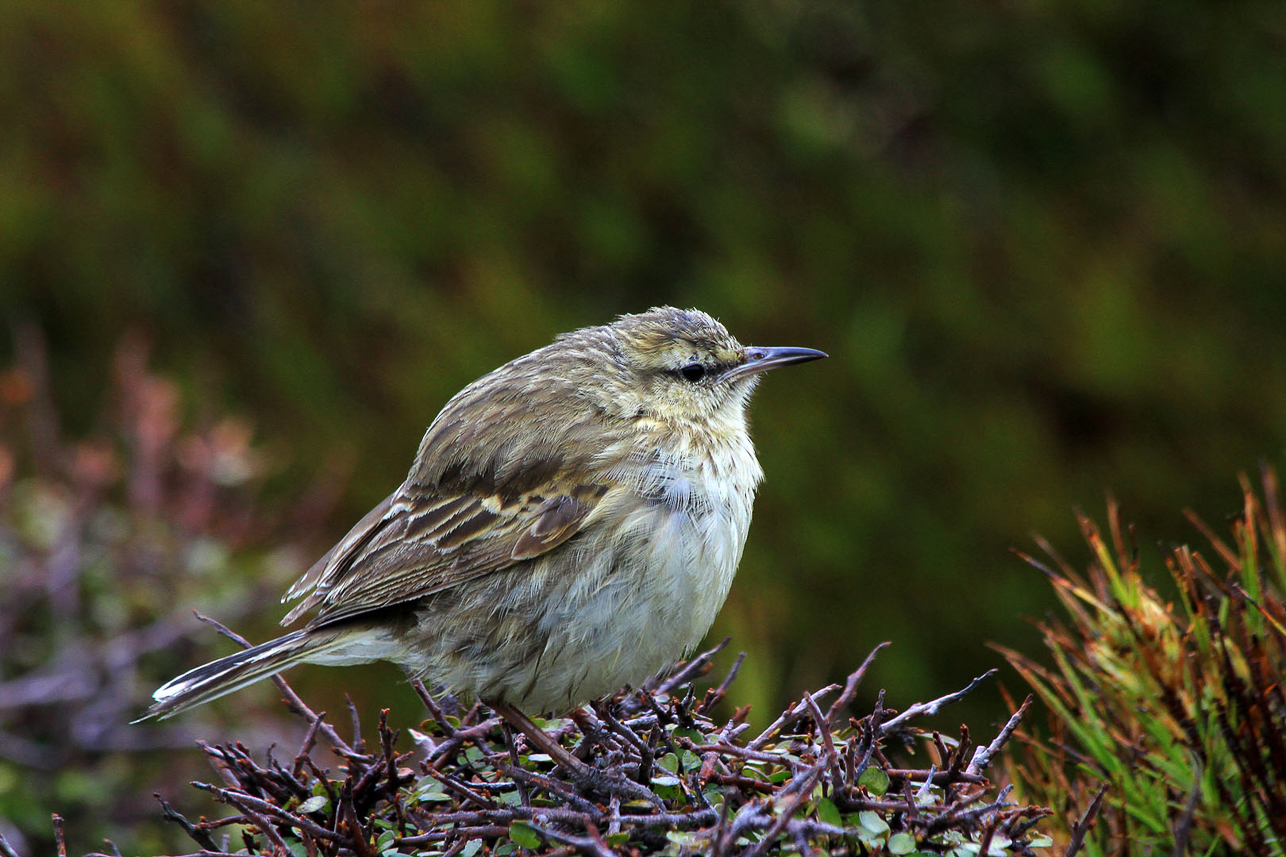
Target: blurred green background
[(1044, 243)]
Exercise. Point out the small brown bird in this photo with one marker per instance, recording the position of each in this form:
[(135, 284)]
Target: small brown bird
[(571, 524)]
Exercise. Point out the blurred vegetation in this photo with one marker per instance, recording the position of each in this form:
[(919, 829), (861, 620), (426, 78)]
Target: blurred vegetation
[(106, 545), (1043, 242), (1178, 708)]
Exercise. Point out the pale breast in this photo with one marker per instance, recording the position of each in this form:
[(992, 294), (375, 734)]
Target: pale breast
[(636, 590), (709, 498)]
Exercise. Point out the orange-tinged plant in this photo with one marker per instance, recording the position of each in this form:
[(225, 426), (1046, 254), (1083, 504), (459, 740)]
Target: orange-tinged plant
[(1177, 705)]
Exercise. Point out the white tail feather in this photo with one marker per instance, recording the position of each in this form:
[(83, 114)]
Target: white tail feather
[(235, 671)]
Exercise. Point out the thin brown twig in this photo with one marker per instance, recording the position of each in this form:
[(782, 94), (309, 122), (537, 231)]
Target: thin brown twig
[(851, 685), (1086, 821), (982, 758), (923, 709), (691, 670), (59, 838)]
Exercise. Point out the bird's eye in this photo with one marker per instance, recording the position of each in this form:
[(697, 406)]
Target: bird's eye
[(693, 372)]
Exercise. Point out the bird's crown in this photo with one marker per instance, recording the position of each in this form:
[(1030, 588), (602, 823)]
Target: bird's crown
[(665, 337)]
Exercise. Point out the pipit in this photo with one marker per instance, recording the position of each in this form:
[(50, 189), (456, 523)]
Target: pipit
[(571, 525)]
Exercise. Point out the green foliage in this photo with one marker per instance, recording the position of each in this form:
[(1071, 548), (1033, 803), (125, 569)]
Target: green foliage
[(1177, 706)]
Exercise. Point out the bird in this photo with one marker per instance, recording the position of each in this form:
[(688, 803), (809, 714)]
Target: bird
[(571, 525)]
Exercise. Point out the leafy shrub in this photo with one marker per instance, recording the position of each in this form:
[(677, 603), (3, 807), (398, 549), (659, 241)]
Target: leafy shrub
[(812, 779)]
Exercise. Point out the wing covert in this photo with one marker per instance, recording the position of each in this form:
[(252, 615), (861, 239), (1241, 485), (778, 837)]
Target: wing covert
[(416, 547)]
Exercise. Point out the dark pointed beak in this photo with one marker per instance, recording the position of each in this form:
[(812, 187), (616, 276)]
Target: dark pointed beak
[(760, 359)]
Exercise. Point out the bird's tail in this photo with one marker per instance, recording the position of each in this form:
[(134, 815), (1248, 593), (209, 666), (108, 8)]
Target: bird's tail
[(225, 675)]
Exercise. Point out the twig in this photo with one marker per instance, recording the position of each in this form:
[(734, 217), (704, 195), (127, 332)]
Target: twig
[(851, 685), (557, 787), (199, 836), (575, 767), (787, 716), (982, 758), (734, 750), (482, 831), (310, 738), (252, 806), (868, 739), (435, 711), (691, 670), (1083, 826), (921, 709), (830, 758), (356, 835), (454, 785), (714, 695), (356, 721), (589, 845), (786, 813), (601, 789)]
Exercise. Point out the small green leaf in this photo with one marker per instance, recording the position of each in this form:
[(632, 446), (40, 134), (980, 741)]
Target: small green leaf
[(524, 834), (999, 846), (313, 804), (871, 820), (827, 812), (473, 847), (431, 797), (617, 838), (901, 843), (871, 840), (875, 781), (714, 796)]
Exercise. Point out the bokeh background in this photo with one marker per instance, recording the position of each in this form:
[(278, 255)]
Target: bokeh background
[(248, 249)]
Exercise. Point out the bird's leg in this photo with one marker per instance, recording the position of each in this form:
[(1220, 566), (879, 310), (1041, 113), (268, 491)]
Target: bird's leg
[(579, 771), (512, 746)]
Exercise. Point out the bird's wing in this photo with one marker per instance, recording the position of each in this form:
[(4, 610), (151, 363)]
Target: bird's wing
[(511, 468), (410, 547)]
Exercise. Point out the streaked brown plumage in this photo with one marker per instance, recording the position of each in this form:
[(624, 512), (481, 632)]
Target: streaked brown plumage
[(571, 524)]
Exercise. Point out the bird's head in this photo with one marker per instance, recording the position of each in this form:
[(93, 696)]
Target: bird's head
[(683, 365)]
